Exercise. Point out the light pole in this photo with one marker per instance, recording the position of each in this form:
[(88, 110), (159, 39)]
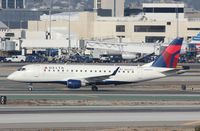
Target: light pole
[(177, 19), (69, 28), (50, 19)]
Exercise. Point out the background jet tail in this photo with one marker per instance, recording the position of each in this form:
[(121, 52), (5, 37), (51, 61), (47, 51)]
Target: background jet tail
[(169, 57)]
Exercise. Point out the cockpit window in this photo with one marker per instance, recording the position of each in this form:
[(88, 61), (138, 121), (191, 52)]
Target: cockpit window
[(22, 69)]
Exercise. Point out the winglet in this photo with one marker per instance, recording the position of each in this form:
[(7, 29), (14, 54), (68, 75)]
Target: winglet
[(115, 72)]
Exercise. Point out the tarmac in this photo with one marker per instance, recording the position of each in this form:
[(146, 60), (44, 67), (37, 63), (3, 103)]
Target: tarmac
[(157, 103)]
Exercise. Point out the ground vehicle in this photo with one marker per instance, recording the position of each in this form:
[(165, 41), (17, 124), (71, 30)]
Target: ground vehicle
[(16, 58), (114, 58), (2, 59), (35, 58), (79, 58)]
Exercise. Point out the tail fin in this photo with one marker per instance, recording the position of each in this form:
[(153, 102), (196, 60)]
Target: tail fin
[(169, 57)]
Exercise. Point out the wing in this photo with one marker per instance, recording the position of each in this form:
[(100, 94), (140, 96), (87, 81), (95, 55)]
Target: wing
[(102, 77)]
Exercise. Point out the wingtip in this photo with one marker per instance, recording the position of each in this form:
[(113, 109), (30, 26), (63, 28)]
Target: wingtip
[(115, 72)]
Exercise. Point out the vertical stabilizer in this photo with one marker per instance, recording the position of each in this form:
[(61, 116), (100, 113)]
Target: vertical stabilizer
[(169, 57)]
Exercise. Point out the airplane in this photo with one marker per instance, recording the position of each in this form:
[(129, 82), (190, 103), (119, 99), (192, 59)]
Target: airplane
[(77, 76)]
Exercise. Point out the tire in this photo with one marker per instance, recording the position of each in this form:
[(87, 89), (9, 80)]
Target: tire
[(94, 88)]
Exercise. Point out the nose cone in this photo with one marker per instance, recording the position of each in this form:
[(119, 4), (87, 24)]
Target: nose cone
[(11, 77)]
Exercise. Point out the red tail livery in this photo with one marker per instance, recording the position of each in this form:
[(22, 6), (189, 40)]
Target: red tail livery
[(169, 57)]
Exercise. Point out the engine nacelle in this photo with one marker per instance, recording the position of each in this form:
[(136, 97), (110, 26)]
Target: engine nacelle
[(74, 84)]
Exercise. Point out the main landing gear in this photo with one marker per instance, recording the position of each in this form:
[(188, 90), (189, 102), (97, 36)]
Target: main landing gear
[(94, 88), (30, 86)]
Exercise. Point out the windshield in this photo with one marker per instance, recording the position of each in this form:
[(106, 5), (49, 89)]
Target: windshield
[(22, 69)]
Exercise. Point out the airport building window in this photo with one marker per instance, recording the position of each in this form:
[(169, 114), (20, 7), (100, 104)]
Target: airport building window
[(163, 10), (146, 28), (168, 23), (193, 28), (4, 4), (189, 37), (153, 39), (19, 3), (120, 28), (11, 4), (98, 4)]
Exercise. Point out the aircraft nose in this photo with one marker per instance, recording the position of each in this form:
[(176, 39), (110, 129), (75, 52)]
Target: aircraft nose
[(11, 77)]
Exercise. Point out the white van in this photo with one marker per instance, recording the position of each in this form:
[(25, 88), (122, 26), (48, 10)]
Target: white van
[(16, 58)]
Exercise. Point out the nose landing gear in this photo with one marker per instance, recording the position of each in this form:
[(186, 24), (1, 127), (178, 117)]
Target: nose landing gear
[(30, 86), (94, 88)]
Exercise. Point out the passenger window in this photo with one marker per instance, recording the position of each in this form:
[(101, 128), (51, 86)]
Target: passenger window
[(85, 70), (71, 70), (99, 70)]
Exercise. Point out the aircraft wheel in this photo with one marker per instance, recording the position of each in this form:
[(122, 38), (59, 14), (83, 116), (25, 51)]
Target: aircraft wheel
[(94, 88), (30, 88)]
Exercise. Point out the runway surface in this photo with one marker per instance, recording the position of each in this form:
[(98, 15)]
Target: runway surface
[(100, 117), (97, 109)]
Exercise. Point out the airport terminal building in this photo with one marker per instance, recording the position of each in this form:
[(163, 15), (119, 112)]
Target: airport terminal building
[(157, 22)]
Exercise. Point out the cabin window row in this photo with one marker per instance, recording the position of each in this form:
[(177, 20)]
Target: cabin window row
[(45, 70)]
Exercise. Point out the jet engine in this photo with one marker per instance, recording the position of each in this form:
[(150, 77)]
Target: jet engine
[(74, 84)]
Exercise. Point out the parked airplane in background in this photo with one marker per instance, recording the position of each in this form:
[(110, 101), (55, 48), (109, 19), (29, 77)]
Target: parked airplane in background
[(76, 76)]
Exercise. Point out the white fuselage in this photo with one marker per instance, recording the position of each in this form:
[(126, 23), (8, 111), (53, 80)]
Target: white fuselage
[(61, 73)]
